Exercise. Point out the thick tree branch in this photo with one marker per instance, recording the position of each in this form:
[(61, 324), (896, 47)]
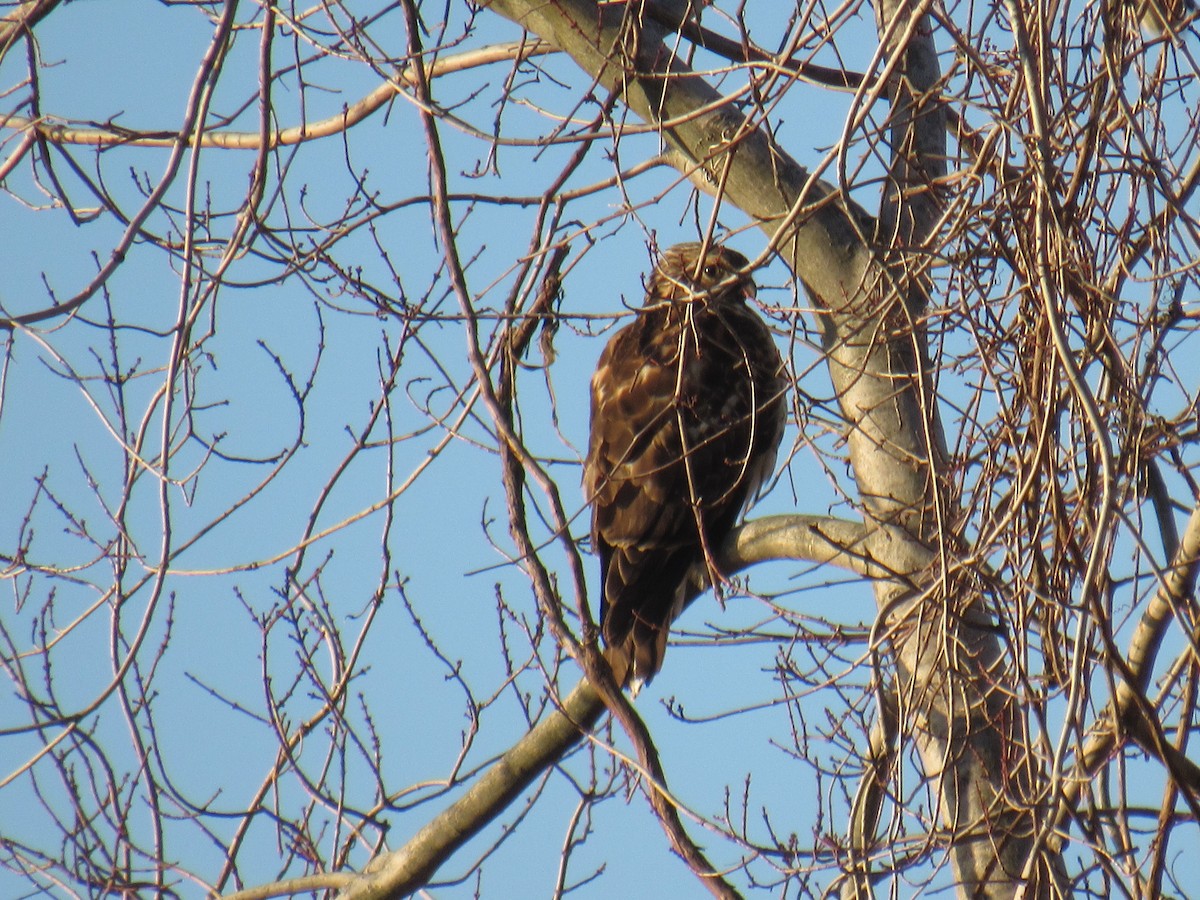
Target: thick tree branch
[(403, 871), (20, 21)]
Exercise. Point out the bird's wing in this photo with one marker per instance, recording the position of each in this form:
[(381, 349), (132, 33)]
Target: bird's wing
[(686, 415)]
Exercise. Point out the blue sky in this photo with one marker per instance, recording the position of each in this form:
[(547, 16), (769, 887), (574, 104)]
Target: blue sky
[(132, 62)]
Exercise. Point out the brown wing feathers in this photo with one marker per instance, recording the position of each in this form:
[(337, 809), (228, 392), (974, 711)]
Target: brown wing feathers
[(687, 415)]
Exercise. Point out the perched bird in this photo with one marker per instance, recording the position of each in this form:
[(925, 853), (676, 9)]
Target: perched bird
[(688, 409)]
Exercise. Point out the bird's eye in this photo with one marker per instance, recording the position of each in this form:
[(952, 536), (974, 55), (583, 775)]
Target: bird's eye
[(711, 272)]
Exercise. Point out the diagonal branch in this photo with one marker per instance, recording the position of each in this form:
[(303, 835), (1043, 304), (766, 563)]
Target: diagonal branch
[(406, 869), (21, 19), (1129, 709)]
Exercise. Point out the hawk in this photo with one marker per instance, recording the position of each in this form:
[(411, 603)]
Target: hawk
[(688, 409)]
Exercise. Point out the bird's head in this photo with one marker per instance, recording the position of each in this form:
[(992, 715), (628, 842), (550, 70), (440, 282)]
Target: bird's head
[(683, 275)]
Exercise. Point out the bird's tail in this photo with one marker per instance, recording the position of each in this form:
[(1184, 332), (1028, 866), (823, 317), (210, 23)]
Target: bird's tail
[(637, 659), (620, 662)]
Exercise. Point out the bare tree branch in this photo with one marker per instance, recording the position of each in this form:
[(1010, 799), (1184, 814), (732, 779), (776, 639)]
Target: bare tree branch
[(112, 135)]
